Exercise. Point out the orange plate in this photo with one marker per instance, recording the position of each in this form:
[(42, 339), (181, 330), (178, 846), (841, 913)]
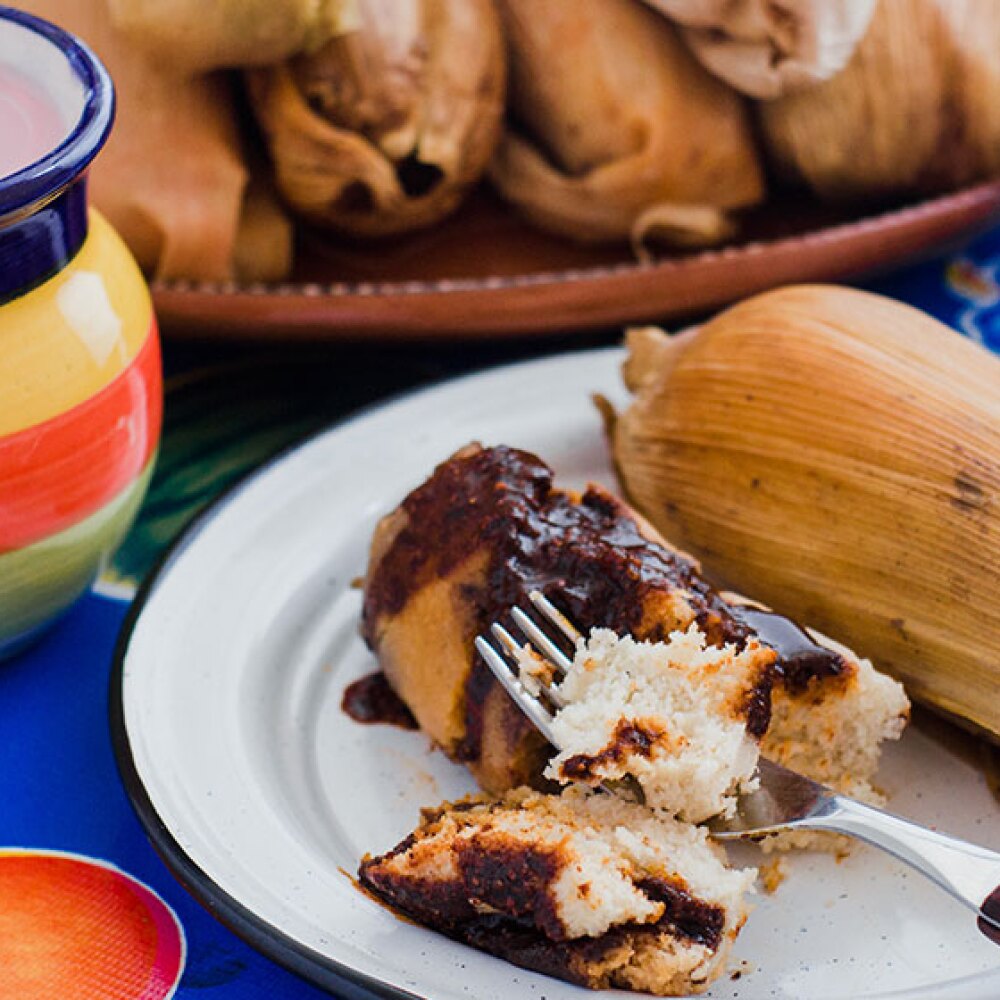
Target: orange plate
[(485, 274)]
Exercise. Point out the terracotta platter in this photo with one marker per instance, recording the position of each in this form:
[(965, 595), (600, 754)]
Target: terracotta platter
[(485, 274)]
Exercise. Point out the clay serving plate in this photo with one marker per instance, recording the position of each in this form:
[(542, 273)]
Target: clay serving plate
[(485, 274)]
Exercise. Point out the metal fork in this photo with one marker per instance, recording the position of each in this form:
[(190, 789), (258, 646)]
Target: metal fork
[(783, 801)]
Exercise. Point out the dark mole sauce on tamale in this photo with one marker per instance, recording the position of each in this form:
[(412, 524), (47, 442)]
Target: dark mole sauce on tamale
[(588, 556), (516, 883), (800, 659), (370, 699)]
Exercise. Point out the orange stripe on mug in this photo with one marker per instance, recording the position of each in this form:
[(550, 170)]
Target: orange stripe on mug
[(60, 471)]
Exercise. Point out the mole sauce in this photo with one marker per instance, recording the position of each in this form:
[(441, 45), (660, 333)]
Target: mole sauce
[(631, 737), (524, 926), (589, 553), (799, 658), (585, 553), (991, 909), (371, 699), (686, 914)]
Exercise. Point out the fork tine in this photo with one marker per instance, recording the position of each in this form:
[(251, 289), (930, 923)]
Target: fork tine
[(540, 640), (532, 683), (531, 706), (506, 639), (555, 616), (516, 653)]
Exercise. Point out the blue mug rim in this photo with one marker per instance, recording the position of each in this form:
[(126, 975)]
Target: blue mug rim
[(38, 183)]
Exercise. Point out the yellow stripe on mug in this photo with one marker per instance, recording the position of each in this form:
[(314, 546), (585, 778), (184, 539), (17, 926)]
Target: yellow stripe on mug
[(93, 316)]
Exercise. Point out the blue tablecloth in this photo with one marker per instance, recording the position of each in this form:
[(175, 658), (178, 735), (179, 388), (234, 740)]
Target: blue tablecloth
[(59, 789)]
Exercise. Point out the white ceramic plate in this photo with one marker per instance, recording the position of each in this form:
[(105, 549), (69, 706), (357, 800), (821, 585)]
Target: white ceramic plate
[(262, 795)]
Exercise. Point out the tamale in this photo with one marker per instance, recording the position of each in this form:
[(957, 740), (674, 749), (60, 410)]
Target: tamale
[(913, 112), (384, 129), (766, 48), (615, 130), (173, 179), (192, 36)]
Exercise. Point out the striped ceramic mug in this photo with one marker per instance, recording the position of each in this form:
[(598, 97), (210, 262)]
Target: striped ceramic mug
[(80, 390)]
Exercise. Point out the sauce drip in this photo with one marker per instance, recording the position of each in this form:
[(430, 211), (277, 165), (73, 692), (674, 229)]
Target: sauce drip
[(991, 909), (370, 700), (800, 658), (30, 124)]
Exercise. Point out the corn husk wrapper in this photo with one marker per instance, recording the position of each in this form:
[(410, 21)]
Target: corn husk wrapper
[(617, 132), (914, 111), (766, 48), (263, 246), (172, 178), (836, 454), (192, 36), (384, 129)]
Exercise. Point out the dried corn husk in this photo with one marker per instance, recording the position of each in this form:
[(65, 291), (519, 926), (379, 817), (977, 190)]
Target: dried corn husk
[(384, 129), (765, 48), (836, 454), (616, 130), (191, 36), (914, 111)]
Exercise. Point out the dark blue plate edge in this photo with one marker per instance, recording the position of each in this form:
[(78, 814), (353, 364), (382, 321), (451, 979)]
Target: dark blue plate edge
[(335, 977)]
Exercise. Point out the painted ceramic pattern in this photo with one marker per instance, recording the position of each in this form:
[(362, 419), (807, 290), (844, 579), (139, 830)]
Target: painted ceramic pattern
[(80, 357), (80, 384), (40, 580), (56, 473), (93, 316)]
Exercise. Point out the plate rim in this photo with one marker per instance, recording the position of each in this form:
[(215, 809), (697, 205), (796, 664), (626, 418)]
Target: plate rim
[(267, 939), (547, 302), (312, 966), (259, 933), (595, 272)]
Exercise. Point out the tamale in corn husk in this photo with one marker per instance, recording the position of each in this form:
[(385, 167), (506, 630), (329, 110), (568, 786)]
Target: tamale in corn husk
[(173, 179), (616, 131), (384, 129), (765, 48), (192, 36), (836, 454), (915, 110)]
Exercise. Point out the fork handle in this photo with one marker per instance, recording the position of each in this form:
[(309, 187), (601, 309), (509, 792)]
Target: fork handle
[(969, 873)]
